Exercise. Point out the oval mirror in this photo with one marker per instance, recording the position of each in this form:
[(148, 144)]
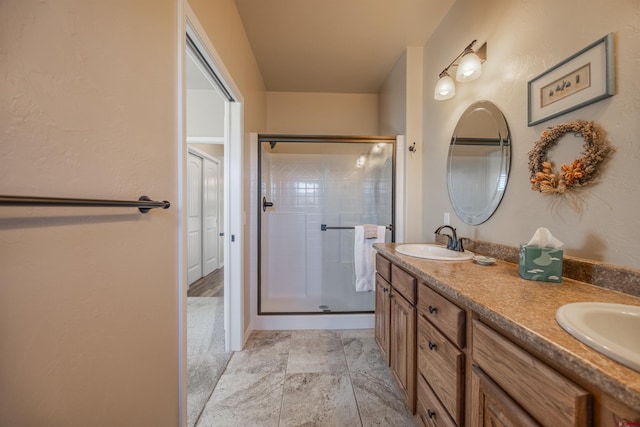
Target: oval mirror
[(478, 162)]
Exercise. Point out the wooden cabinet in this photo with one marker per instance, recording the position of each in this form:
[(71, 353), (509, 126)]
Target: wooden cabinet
[(402, 342), (429, 410), (441, 360), (612, 412), (383, 316), (509, 382), (443, 314), (395, 324), (493, 407), (457, 372), (404, 283), (383, 267), (441, 364), (402, 346)]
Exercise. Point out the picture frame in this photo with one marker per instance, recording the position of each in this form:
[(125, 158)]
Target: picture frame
[(582, 79)]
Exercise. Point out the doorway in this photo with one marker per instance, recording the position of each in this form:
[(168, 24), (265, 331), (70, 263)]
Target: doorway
[(212, 237)]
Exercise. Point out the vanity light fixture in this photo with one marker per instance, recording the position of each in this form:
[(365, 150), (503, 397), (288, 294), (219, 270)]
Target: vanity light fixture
[(469, 68)]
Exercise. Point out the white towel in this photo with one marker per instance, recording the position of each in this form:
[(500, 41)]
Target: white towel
[(364, 258)]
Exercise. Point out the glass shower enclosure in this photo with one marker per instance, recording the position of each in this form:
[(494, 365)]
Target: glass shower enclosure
[(313, 191)]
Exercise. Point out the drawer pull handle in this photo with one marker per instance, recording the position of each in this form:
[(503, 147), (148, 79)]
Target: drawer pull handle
[(432, 309), (432, 346), (430, 413)]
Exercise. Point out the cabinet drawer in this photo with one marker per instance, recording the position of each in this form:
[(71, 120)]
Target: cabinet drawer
[(448, 317), (491, 406), (383, 267), (429, 410), (404, 283), (442, 365), (545, 394)]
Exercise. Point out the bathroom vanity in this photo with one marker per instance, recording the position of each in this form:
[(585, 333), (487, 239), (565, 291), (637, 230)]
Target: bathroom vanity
[(478, 345)]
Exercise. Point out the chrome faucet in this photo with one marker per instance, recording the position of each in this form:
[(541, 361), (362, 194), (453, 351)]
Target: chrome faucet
[(453, 243)]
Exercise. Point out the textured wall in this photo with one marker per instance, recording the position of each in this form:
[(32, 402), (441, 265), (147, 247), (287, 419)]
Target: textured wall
[(322, 113), (392, 100), (400, 113), (88, 296), (524, 39)]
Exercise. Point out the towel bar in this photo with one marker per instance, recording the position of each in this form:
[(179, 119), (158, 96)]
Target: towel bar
[(144, 203), (324, 227)]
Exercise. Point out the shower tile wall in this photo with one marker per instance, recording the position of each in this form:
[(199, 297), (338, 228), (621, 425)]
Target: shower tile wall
[(309, 190)]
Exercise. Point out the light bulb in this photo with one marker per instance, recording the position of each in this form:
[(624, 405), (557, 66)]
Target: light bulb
[(469, 68), (445, 88)]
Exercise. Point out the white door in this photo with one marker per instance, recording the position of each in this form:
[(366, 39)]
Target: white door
[(194, 218), (210, 216)]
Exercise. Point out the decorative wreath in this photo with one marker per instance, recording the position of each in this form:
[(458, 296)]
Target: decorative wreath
[(577, 174)]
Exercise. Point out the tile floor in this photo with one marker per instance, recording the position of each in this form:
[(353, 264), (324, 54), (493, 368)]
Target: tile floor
[(306, 378), (206, 358)]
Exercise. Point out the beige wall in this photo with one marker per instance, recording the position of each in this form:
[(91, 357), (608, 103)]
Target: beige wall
[(392, 100), (524, 39), (400, 113), (88, 296), (322, 113), (223, 25)]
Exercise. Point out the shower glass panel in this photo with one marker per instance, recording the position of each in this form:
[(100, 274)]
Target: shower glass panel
[(309, 186)]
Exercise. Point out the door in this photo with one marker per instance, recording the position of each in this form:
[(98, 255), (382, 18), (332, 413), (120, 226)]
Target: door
[(402, 345), (312, 192), (210, 221), (382, 316), (194, 218)]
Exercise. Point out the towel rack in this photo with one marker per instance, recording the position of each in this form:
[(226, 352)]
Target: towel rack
[(144, 203), (324, 227)]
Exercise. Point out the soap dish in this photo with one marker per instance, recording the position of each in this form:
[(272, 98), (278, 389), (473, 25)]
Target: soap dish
[(484, 260)]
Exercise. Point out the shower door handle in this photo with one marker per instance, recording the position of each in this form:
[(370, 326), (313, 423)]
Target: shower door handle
[(266, 204)]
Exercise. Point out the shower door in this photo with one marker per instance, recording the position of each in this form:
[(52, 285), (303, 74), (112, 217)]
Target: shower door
[(313, 191)]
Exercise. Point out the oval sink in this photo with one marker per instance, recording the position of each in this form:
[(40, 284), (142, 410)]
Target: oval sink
[(611, 329), (431, 251)]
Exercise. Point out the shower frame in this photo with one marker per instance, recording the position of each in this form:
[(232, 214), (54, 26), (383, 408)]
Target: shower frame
[(330, 139)]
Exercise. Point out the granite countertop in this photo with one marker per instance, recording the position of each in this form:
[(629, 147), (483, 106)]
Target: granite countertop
[(526, 309)]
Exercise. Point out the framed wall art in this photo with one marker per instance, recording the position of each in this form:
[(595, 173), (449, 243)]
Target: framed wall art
[(582, 79)]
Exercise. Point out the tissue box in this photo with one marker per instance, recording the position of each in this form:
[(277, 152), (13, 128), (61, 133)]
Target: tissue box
[(542, 264)]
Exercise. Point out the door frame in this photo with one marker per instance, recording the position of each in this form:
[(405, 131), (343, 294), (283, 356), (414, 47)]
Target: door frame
[(233, 183), (233, 196)]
